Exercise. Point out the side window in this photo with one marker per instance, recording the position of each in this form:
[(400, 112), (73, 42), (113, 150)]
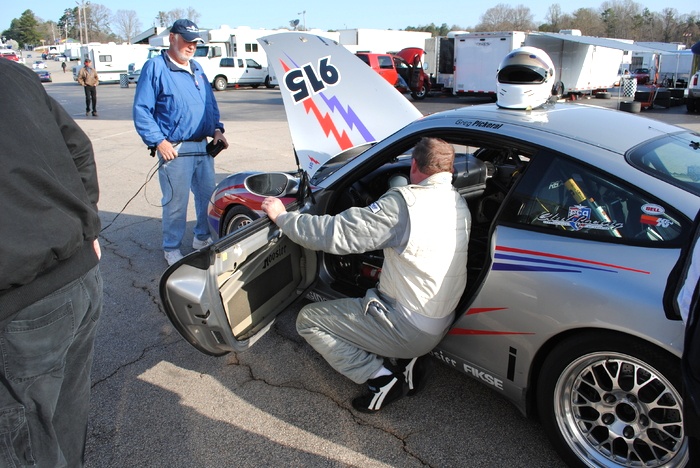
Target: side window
[(364, 58), (252, 63), (227, 62), (240, 63), (385, 62), (570, 199), (104, 58)]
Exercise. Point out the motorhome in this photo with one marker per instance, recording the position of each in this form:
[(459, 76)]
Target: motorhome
[(111, 61)]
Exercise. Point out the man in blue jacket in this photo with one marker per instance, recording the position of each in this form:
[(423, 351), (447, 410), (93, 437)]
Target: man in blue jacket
[(174, 112)]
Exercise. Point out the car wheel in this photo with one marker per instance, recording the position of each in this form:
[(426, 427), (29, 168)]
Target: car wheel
[(255, 86), (420, 94), (268, 83), (220, 83), (236, 218), (691, 105), (608, 400)]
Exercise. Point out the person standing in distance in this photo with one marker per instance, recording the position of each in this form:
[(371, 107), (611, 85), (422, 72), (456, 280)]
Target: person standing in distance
[(88, 79), (174, 112), (50, 283)]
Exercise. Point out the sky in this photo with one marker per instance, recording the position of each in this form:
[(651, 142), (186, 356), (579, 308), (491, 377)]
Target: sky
[(271, 14)]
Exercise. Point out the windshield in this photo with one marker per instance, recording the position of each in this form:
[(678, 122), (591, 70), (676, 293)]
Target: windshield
[(338, 161), (675, 159)]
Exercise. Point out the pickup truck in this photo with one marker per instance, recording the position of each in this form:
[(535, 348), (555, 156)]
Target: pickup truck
[(405, 76), (692, 97)]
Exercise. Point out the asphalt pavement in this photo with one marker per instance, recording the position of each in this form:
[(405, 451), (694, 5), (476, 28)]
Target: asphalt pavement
[(158, 402)]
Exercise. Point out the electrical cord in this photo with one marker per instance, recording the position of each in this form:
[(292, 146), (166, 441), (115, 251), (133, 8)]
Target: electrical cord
[(151, 173)]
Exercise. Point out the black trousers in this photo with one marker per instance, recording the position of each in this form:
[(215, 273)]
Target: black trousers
[(90, 95)]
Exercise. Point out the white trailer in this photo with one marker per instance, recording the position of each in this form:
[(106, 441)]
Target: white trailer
[(476, 60), (439, 61), (112, 60), (381, 41), (583, 64)]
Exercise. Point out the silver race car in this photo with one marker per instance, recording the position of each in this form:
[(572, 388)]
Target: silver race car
[(579, 218)]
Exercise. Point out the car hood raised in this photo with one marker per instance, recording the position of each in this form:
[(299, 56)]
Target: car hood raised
[(333, 100)]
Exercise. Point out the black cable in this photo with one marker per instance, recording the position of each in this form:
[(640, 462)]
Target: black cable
[(152, 172)]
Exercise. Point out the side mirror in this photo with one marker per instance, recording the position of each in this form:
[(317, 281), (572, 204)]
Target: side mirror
[(272, 184)]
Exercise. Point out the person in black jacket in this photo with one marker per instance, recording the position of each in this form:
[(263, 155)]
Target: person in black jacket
[(687, 281), (50, 283)]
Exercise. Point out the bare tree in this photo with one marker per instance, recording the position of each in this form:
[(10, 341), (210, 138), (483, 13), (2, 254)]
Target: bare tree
[(554, 17), (126, 24), (503, 17), (589, 22), (523, 19), (669, 24)]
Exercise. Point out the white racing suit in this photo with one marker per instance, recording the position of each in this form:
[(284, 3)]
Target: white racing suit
[(424, 233)]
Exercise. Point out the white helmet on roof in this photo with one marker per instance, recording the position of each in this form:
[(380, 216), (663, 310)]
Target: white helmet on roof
[(525, 79)]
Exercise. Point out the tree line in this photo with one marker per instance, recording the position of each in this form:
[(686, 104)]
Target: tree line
[(89, 22), (621, 19)]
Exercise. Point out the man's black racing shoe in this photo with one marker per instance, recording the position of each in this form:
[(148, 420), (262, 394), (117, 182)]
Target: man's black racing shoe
[(382, 391), (416, 372)]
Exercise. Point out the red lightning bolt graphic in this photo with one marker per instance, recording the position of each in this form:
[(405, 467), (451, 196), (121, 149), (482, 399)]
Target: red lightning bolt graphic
[(326, 122)]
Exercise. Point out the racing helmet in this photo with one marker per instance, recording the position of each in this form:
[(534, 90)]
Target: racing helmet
[(525, 79)]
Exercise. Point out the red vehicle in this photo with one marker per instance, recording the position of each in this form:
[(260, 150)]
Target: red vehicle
[(403, 70), (9, 54), (642, 75)]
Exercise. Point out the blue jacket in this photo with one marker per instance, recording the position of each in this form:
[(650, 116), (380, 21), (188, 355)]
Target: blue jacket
[(171, 104)]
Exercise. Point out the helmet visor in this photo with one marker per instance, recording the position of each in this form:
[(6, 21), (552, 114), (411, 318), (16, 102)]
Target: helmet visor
[(523, 68)]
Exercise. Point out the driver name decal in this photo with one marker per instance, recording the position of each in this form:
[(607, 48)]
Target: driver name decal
[(272, 257), (478, 123)]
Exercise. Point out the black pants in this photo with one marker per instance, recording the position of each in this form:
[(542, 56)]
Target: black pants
[(90, 95)]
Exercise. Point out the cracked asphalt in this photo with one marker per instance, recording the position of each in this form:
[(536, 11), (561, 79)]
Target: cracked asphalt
[(158, 402)]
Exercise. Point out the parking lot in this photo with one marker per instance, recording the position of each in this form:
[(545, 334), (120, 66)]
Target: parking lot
[(158, 402)]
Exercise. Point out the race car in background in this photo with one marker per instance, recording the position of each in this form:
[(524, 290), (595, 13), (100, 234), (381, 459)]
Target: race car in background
[(577, 235)]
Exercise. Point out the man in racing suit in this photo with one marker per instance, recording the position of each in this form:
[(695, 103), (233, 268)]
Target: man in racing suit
[(423, 229)]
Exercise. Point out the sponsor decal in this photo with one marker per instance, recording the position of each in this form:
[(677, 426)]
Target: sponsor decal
[(483, 376), (655, 221), (653, 209), (447, 360), (272, 257), (374, 208), (478, 123), (577, 219)]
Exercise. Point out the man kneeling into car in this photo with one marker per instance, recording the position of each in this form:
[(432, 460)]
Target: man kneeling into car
[(423, 229)]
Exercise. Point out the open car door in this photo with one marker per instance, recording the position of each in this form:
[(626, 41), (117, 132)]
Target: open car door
[(225, 297)]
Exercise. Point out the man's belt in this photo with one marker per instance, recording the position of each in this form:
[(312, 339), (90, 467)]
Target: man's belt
[(196, 141)]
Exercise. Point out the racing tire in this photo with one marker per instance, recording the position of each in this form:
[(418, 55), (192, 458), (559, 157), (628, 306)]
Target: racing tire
[(634, 107), (237, 217), (220, 83), (609, 400), (420, 94)]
